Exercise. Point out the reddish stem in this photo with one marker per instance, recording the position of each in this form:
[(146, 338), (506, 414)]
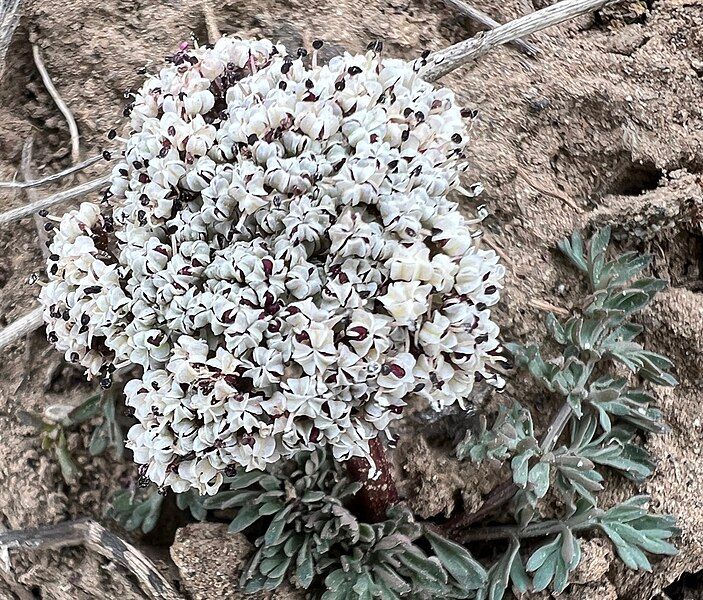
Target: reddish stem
[(376, 495), (498, 497)]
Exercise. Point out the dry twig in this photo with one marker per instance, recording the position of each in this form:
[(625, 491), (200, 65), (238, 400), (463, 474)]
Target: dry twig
[(21, 327), (74, 192), (491, 243), (26, 170), (94, 536), (481, 17), (500, 495), (546, 192), (444, 61), (548, 307), (68, 115), (22, 185)]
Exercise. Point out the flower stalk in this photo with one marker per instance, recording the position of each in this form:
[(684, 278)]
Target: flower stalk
[(378, 492), (540, 529)]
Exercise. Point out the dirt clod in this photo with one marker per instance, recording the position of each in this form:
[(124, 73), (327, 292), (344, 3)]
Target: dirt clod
[(210, 561)]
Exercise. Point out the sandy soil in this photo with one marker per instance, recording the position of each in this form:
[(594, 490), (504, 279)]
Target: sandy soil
[(608, 118)]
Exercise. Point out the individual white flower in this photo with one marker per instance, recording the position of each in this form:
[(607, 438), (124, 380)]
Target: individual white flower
[(367, 333), (397, 373), (406, 301), (267, 367), (303, 281), (313, 348), (204, 477), (435, 335), (412, 264)]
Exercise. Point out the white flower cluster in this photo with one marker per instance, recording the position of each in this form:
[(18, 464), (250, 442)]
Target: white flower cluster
[(279, 255)]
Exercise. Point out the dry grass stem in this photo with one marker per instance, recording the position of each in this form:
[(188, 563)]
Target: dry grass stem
[(21, 185), (445, 61), (63, 107), (26, 170), (548, 307), (9, 20), (213, 29), (491, 243), (49, 201), (21, 327)]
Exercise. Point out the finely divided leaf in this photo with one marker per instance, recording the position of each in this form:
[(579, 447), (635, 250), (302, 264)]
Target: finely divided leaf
[(634, 531), (553, 562), (468, 572)]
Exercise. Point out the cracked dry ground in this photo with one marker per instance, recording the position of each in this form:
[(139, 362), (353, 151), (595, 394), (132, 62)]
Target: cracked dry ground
[(608, 117)]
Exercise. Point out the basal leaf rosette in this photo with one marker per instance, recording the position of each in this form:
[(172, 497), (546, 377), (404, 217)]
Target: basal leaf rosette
[(279, 256)]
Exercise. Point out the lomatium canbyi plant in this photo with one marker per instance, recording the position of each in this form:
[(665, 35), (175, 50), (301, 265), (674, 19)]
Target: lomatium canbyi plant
[(279, 266)]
